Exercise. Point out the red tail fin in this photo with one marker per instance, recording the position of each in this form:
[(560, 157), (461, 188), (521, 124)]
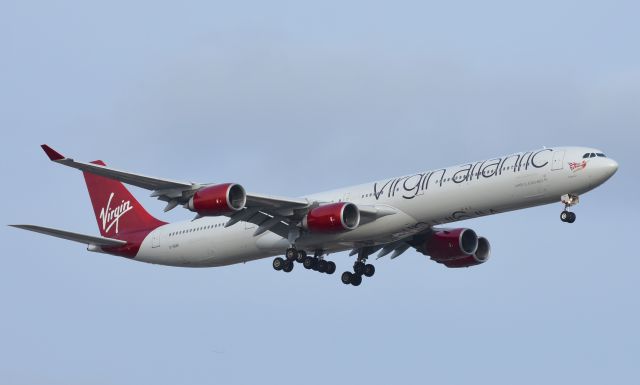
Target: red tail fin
[(117, 211)]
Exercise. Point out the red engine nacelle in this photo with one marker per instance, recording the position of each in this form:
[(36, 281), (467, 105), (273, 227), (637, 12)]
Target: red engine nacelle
[(332, 218), (217, 200), (450, 244), (481, 256)]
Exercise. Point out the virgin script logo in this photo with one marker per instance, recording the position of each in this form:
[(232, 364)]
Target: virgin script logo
[(574, 166), (111, 216)]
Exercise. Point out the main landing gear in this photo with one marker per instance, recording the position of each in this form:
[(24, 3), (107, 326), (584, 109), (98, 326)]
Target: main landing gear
[(569, 200), (318, 263), (360, 268), (293, 255), (286, 264)]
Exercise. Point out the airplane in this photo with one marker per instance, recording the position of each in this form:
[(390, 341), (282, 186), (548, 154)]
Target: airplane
[(386, 217)]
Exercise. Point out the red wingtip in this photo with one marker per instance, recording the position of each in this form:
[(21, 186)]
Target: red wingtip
[(51, 153)]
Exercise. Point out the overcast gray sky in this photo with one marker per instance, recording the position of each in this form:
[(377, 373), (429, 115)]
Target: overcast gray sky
[(289, 98)]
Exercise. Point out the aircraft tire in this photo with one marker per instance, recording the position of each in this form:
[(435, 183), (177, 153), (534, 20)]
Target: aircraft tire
[(322, 266), (369, 270), (308, 263), (291, 254), (278, 264)]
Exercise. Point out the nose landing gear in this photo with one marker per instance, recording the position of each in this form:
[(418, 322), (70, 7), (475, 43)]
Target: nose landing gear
[(569, 200)]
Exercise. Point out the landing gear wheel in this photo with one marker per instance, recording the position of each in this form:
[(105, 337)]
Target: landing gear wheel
[(278, 264), (358, 268), (331, 267), (291, 254), (322, 266), (568, 216), (288, 266), (308, 263), (369, 270), (301, 256), (356, 280), (346, 277)]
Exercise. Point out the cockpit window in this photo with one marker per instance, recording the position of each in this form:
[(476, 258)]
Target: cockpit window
[(593, 155)]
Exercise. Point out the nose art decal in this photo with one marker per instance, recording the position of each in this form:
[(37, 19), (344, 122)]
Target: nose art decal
[(577, 166)]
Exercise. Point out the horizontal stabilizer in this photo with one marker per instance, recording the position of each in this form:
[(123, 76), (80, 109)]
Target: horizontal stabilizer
[(68, 235)]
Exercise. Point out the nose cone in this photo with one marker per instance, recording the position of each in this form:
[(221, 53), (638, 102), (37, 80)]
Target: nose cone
[(610, 167), (603, 170)]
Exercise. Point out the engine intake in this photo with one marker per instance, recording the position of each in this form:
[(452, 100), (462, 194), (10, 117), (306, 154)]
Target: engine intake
[(219, 199), (450, 244), (481, 256), (332, 218)]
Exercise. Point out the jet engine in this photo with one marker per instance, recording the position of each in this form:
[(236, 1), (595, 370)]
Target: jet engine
[(449, 244), (481, 256), (221, 199), (332, 218), (456, 248)]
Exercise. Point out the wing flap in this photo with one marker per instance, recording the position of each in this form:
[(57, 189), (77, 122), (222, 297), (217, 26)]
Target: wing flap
[(267, 201)]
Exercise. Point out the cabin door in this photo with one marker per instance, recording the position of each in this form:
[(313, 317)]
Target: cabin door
[(558, 160)]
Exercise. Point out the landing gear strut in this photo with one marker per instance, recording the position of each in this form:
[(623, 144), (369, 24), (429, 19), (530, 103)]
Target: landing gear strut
[(568, 200), (360, 268)]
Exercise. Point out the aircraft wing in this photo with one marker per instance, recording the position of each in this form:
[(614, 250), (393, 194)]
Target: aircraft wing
[(76, 237), (172, 191), (269, 213), (143, 181)]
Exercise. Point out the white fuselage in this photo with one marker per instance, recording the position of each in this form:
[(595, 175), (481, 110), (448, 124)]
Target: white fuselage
[(420, 201)]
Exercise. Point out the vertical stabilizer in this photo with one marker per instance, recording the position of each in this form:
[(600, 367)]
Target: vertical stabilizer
[(117, 211)]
